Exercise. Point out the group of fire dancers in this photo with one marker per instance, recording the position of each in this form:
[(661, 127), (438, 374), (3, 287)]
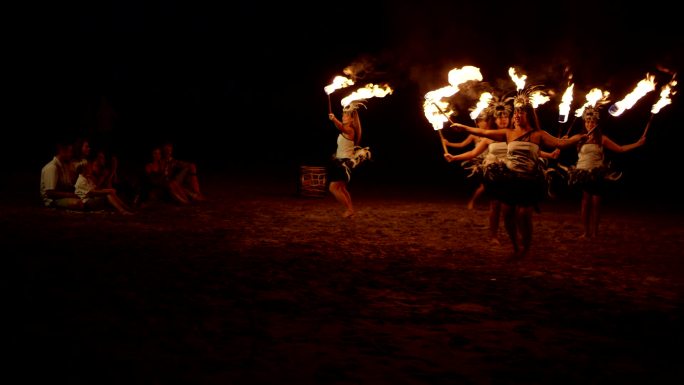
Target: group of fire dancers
[(508, 161)]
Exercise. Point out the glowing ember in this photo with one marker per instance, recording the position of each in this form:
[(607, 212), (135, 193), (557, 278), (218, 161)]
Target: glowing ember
[(564, 106), (664, 100), (369, 91), (481, 105), (645, 86), (338, 82)]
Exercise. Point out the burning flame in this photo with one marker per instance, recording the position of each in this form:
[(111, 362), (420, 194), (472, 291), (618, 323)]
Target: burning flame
[(458, 76), (369, 91), (592, 97), (481, 105), (642, 88), (538, 98), (437, 111), (338, 82), (564, 106), (518, 80), (664, 100)]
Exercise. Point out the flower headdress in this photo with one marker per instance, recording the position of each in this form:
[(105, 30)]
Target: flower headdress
[(523, 97), (353, 106), (500, 106), (593, 112)]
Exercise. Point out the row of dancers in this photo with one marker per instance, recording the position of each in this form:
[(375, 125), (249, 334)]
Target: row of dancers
[(508, 160)]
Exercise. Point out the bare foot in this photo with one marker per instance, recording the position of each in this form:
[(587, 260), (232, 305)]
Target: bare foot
[(515, 257), (181, 198), (494, 241), (198, 197), (348, 214), (518, 255), (525, 252), (471, 205)]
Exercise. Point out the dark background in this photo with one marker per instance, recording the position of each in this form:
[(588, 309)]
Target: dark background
[(240, 87)]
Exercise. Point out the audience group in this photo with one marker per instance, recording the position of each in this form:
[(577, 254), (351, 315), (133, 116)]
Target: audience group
[(80, 178)]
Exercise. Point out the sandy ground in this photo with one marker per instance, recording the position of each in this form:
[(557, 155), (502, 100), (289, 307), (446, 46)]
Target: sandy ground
[(261, 286)]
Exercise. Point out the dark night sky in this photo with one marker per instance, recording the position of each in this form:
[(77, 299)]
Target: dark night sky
[(243, 83)]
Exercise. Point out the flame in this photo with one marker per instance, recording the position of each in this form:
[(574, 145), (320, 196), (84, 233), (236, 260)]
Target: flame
[(538, 98), (642, 88), (518, 80), (458, 76), (337, 83), (369, 91), (481, 105), (664, 100), (564, 106), (437, 111), (593, 96)]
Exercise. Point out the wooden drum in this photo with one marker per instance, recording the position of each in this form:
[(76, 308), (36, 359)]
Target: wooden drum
[(312, 181)]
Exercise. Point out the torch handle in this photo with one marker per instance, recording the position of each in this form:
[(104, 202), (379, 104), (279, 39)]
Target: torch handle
[(570, 126), (441, 140), (536, 119), (329, 105), (648, 125), (441, 137)]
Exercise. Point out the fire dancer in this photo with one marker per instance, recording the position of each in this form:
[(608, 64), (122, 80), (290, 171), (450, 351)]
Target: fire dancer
[(591, 172), (472, 159), (494, 160), (522, 178), (348, 155)]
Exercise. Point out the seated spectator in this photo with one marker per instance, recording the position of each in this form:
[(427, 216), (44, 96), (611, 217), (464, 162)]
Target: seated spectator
[(81, 154), (180, 172), (155, 185), (93, 196), (105, 172), (56, 186)]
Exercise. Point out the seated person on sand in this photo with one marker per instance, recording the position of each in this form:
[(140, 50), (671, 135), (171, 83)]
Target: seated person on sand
[(106, 172), (182, 173), (80, 156), (95, 197), (155, 185), (107, 175), (56, 185)]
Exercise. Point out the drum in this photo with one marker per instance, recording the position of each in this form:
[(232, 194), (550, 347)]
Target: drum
[(312, 181)]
